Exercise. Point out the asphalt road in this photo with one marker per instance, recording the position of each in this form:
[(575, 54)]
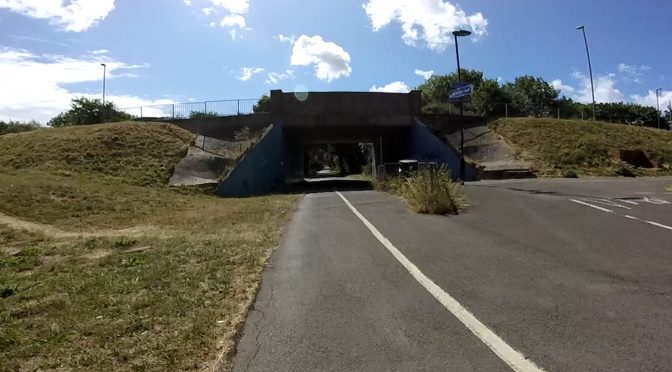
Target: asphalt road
[(575, 275)]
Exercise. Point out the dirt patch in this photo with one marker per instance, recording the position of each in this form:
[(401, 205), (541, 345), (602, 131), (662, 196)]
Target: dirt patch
[(97, 254)]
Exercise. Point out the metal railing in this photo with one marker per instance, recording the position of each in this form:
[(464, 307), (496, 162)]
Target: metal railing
[(190, 110)]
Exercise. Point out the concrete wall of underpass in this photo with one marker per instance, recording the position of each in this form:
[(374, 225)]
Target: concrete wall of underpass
[(224, 127), (425, 146), (260, 171)]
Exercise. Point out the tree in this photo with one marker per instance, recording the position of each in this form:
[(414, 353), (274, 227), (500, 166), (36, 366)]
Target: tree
[(263, 105), (531, 96), (437, 88), (488, 99), (84, 111), (17, 126)]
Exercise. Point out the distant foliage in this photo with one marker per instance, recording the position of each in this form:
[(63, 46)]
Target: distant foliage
[(200, 114), (84, 111), (263, 105), (528, 96), (7, 127)]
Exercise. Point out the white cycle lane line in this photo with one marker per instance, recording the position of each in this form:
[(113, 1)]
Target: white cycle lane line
[(599, 208), (512, 357)]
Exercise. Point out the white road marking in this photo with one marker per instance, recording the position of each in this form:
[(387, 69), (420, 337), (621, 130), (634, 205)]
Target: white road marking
[(656, 201), (608, 202), (650, 222), (628, 201), (506, 353), (592, 206)]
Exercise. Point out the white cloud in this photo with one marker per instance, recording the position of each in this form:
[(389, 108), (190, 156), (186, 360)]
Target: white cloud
[(331, 60), (35, 86), (664, 99), (394, 87), (286, 39), (99, 52), (432, 21), (425, 74), (274, 77), (233, 6), (187, 2), (208, 11), (633, 73), (605, 89), (564, 89), (73, 15), (233, 20), (247, 73)]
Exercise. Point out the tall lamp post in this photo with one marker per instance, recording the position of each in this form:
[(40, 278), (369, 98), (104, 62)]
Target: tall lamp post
[(456, 34), (102, 114), (104, 76), (658, 105), (590, 66)]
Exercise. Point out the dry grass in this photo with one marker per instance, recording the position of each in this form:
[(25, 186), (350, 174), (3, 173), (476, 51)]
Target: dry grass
[(427, 191), (559, 147), (152, 279)]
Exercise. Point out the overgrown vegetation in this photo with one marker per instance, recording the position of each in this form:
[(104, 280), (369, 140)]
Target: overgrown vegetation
[(528, 96), (85, 111), (571, 147), (427, 191), (103, 267), (7, 127)]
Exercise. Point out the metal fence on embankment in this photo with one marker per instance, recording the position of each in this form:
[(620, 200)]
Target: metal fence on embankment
[(190, 110)]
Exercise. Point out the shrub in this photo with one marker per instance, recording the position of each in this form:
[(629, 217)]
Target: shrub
[(427, 191), (17, 126), (571, 173)]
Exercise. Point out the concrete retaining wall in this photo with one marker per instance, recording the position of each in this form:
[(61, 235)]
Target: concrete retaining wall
[(260, 171), (223, 127), (425, 146)]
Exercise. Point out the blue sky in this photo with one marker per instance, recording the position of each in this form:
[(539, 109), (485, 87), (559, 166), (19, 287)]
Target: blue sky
[(162, 51)]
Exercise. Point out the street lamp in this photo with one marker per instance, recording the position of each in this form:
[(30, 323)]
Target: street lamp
[(590, 67), (104, 75), (658, 105), (456, 34)]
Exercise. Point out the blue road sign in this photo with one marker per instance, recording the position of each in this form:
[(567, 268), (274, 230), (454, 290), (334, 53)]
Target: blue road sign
[(460, 91)]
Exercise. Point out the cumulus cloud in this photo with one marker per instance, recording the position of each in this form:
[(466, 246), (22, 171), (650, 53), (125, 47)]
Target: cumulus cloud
[(247, 73), (233, 6), (208, 11), (431, 21), (73, 15), (605, 89), (274, 77), (331, 61), (425, 74), (233, 20), (664, 98), (285, 39), (633, 73), (99, 52), (564, 89), (394, 87), (35, 86)]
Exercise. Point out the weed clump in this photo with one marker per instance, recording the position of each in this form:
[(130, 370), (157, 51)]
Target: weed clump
[(427, 191)]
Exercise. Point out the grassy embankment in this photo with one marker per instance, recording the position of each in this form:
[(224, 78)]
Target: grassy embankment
[(566, 147), (103, 267)]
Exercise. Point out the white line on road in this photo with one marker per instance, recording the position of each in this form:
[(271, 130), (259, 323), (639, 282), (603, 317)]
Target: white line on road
[(608, 202), (626, 216), (650, 222), (592, 206), (506, 353), (628, 201)]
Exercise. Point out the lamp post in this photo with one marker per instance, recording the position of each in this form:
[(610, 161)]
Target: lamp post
[(104, 76), (456, 34), (102, 112), (658, 105), (590, 66)]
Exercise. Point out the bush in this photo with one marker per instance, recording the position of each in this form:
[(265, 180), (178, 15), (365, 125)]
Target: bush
[(84, 111), (17, 126), (624, 170), (571, 173), (427, 191)]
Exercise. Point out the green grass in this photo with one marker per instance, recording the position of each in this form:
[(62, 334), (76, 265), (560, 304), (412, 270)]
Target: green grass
[(104, 267), (427, 191), (560, 147), (129, 152)]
